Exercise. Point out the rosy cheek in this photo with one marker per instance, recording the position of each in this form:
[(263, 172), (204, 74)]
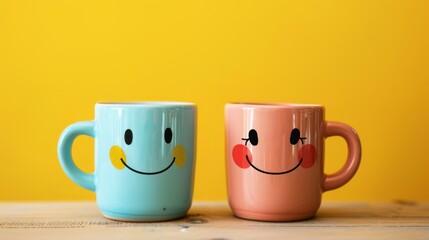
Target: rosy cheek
[(308, 154), (239, 154)]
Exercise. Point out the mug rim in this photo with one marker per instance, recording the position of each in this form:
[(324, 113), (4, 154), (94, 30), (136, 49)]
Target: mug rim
[(274, 105), (145, 104)]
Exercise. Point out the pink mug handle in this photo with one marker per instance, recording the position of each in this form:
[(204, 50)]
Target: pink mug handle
[(338, 179)]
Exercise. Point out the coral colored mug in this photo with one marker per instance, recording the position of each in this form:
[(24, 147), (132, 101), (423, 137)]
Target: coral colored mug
[(144, 159), (275, 159)]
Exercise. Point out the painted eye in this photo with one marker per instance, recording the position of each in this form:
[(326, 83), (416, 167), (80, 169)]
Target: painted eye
[(128, 136), (253, 137), (168, 135), (295, 136)]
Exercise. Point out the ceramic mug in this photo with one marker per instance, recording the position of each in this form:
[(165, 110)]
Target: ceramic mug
[(275, 159), (144, 159)]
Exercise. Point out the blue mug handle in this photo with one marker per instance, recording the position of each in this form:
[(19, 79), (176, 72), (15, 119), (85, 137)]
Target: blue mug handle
[(85, 180)]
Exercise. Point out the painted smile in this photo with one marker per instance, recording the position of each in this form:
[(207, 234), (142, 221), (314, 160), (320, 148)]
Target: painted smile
[(148, 173), (272, 173)]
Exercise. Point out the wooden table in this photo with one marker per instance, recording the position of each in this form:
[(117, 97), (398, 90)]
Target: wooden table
[(214, 221)]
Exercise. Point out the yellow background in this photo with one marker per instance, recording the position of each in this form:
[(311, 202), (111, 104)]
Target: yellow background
[(366, 61)]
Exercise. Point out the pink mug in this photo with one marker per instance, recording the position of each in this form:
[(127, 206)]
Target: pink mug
[(275, 159)]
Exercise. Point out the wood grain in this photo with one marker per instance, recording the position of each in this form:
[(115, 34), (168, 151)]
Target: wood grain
[(214, 221)]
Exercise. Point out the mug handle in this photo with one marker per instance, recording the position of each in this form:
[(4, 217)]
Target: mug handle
[(338, 179), (85, 180)]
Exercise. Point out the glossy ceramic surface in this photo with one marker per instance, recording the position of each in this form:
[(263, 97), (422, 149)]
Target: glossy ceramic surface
[(275, 158), (144, 159)]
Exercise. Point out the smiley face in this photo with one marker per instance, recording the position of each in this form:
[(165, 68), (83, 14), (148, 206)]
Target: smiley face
[(243, 158), (118, 157)]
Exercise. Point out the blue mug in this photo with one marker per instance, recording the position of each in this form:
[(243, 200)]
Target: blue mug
[(144, 159)]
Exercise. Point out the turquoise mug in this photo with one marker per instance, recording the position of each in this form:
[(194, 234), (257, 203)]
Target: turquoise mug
[(144, 159)]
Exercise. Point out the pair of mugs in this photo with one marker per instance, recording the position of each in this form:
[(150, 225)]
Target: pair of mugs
[(145, 159)]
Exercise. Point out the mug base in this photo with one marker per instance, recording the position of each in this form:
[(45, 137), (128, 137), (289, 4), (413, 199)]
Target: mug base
[(272, 217), (140, 218)]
